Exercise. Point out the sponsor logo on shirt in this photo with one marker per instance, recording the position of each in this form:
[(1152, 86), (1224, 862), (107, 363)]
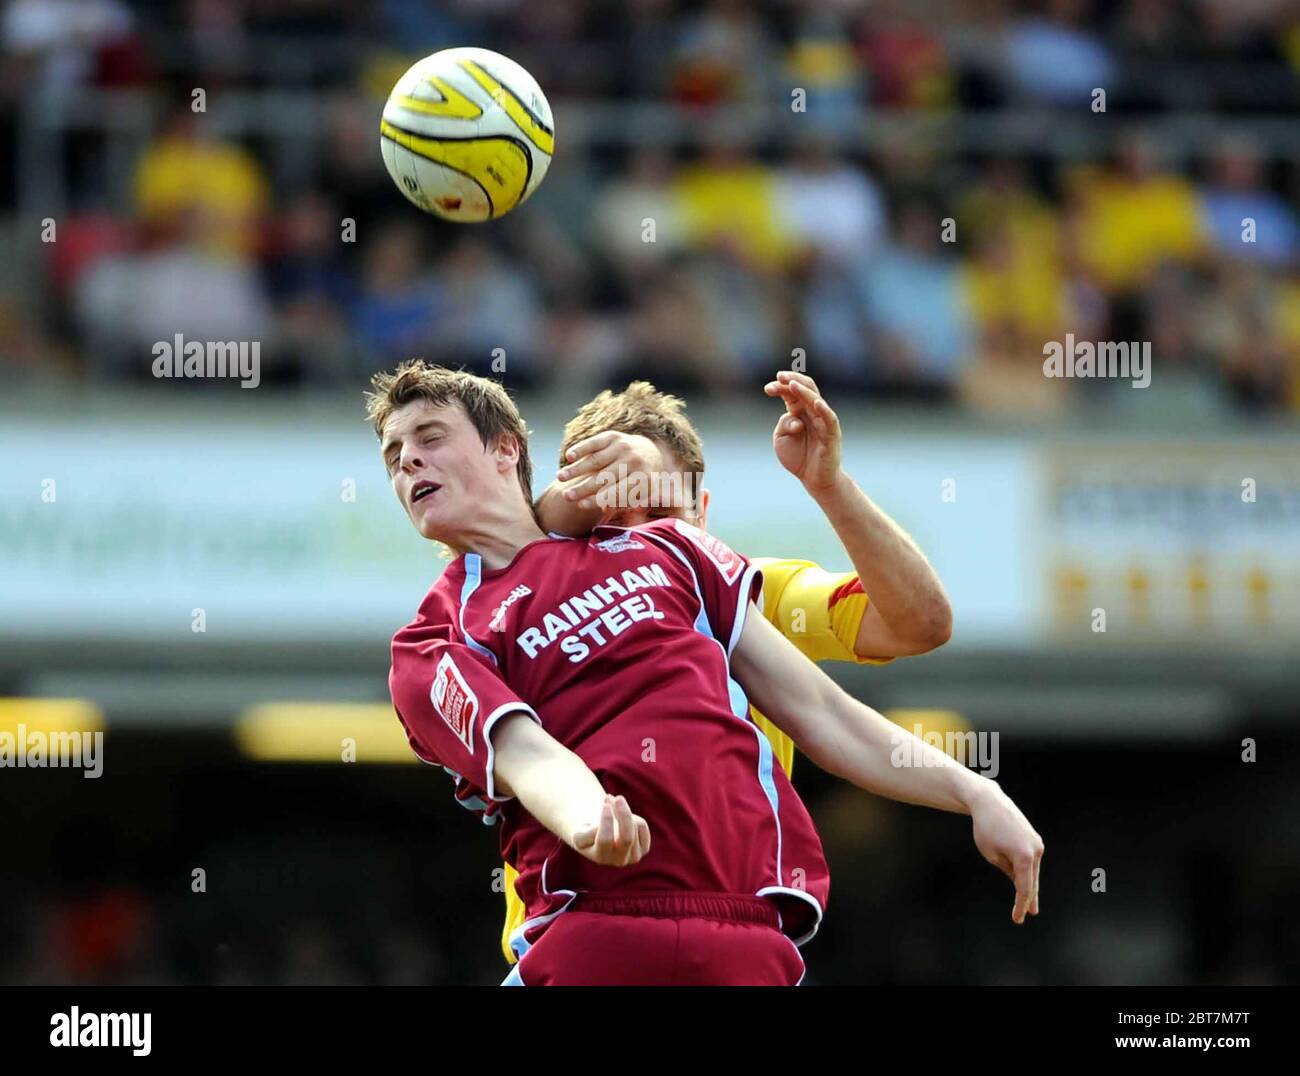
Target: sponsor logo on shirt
[(454, 701), (600, 613), (620, 543), (498, 621), (728, 561)]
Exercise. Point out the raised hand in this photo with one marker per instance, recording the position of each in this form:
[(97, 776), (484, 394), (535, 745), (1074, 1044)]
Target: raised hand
[(807, 437)]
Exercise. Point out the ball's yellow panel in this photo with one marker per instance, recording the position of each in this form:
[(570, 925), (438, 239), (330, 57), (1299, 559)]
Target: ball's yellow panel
[(467, 134)]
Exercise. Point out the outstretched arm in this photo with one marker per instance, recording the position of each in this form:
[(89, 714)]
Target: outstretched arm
[(908, 612), (853, 741), (558, 789)]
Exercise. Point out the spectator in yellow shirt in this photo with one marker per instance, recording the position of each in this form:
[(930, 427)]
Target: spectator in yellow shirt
[(187, 173), (728, 200), (1135, 217), (1013, 281)]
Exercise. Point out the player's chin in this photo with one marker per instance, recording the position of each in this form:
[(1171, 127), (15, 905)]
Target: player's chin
[(429, 521)]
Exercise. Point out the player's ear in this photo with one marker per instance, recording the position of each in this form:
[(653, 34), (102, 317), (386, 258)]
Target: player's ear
[(507, 452), (702, 509)]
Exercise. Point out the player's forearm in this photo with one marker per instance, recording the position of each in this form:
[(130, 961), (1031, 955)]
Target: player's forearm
[(837, 732), (870, 751), (552, 783), (561, 516), (903, 588)]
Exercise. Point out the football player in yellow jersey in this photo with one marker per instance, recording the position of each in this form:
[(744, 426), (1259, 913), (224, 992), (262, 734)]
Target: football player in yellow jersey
[(617, 440)]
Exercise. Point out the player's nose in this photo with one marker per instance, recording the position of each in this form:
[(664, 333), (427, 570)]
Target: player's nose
[(410, 460)]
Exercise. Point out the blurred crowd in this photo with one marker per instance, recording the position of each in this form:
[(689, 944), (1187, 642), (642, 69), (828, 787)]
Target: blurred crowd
[(908, 269)]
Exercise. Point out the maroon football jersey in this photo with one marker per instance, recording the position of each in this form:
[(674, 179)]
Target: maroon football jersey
[(619, 646)]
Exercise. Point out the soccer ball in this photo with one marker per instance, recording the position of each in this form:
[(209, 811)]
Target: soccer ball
[(467, 134)]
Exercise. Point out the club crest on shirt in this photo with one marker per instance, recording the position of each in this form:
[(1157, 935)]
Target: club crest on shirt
[(454, 701), (620, 543), (727, 560)]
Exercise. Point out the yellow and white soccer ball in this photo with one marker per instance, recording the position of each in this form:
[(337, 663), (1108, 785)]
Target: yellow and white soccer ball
[(467, 134)]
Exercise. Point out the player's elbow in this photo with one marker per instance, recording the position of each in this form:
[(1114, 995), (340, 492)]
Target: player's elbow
[(927, 627), (933, 626), (939, 623)]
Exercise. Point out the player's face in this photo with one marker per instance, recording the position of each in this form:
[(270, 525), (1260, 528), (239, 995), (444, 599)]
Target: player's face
[(440, 469)]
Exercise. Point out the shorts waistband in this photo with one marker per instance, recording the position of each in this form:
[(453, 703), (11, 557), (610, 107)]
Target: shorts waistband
[(730, 907)]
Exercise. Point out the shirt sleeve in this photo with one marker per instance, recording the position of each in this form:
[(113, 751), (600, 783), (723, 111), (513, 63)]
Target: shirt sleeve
[(819, 611), (727, 581), (448, 698)]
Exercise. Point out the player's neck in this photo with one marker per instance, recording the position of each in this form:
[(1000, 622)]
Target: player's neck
[(497, 537)]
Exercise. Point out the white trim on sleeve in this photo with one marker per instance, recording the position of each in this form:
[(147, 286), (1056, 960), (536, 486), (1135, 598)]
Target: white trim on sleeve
[(742, 604), (492, 718)]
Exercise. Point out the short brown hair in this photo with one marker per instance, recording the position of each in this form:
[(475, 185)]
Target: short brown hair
[(639, 409), (485, 401)]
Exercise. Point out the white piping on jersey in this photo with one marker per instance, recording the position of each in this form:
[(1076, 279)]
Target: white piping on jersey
[(739, 621), (801, 894), (740, 707), (473, 576), (519, 943), (473, 803), (495, 716), (735, 693)]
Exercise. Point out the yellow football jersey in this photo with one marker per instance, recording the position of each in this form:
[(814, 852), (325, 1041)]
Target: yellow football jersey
[(820, 612)]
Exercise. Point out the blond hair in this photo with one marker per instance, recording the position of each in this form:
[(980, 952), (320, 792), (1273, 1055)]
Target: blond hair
[(639, 409)]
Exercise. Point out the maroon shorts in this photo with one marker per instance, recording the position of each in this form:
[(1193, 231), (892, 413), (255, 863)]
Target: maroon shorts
[(668, 939)]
